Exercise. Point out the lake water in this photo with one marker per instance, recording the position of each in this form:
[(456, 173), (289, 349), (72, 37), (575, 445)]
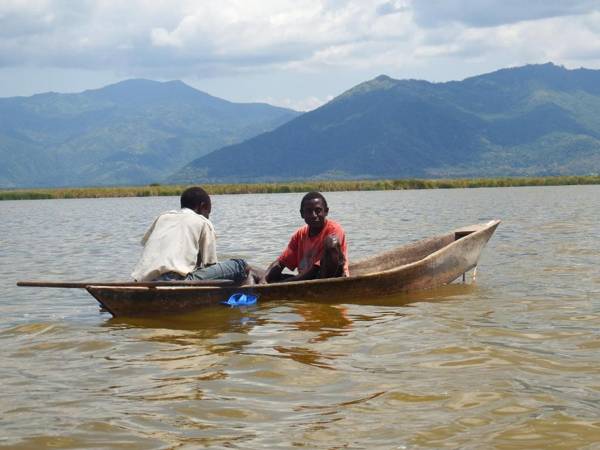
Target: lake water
[(510, 362)]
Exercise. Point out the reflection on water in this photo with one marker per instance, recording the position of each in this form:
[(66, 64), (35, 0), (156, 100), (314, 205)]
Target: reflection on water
[(509, 362)]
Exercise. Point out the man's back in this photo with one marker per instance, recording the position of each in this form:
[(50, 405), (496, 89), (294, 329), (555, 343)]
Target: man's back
[(178, 241)]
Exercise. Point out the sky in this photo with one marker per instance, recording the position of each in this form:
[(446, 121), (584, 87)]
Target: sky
[(293, 53)]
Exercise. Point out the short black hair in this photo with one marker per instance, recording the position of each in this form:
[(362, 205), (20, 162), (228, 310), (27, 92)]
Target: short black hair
[(311, 196), (193, 197)]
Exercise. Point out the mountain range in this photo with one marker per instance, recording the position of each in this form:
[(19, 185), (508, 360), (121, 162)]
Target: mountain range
[(132, 132), (531, 120)]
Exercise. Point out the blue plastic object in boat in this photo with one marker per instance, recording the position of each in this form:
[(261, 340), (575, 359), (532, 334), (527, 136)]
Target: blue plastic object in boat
[(241, 299)]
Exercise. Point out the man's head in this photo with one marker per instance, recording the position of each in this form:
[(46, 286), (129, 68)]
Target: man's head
[(196, 199), (314, 210)]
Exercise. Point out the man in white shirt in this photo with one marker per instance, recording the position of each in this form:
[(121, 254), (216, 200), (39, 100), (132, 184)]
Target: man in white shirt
[(181, 245)]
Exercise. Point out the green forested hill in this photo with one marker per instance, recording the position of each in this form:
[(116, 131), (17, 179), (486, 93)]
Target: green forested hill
[(132, 132), (531, 120)]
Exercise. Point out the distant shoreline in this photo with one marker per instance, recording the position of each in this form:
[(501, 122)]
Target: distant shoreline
[(153, 190)]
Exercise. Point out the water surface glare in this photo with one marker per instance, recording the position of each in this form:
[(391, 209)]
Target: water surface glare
[(510, 362)]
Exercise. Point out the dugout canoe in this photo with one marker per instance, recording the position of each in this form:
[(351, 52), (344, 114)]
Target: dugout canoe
[(424, 264)]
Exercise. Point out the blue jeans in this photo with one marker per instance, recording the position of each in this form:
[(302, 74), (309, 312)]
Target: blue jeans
[(232, 269)]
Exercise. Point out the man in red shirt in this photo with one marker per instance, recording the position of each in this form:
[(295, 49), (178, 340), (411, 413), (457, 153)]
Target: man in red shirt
[(317, 250)]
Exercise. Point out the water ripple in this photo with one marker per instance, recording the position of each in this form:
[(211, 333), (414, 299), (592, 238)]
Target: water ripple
[(510, 362)]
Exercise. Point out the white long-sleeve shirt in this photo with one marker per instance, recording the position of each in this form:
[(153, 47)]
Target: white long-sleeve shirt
[(177, 241)]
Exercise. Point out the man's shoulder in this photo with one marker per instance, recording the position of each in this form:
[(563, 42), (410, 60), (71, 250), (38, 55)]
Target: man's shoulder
[(334, 226), (173, 214), (199, 220), (188, 216), (300, 232)]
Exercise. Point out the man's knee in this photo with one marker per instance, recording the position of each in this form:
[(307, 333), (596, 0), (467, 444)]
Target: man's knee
[(243, 270), (332, 262), (332, 243), (232, 269), (242, 264), (332, 249)]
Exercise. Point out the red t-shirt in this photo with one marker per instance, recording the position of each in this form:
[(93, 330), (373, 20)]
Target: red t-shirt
[(304, 251)]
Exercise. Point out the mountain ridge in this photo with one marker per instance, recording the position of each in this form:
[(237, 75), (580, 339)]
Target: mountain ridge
[(133, 132), (494, 124)]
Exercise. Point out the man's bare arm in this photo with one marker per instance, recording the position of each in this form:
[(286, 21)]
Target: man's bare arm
[(273, 272)]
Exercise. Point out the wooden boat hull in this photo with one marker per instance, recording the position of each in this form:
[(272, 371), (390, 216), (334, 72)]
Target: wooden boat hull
[(421, 265)]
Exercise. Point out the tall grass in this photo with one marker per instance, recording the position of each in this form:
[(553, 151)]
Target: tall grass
[(300, 186)]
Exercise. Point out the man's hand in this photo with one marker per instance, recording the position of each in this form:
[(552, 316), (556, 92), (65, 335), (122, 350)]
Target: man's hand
[(273, 272)]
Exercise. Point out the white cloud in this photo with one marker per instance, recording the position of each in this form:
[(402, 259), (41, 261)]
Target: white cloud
[(485, 13), (230, 35), (303, 104), (166, 39)]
